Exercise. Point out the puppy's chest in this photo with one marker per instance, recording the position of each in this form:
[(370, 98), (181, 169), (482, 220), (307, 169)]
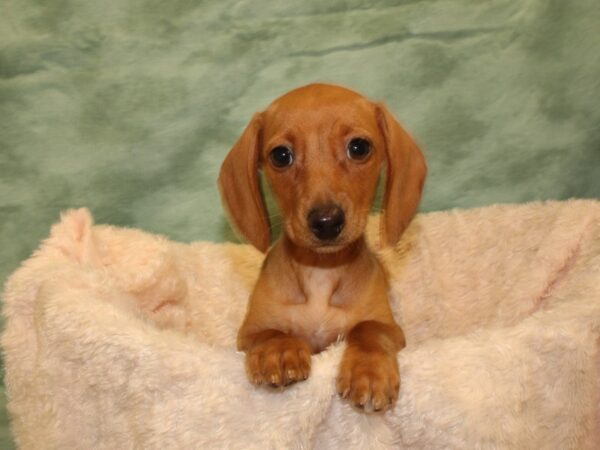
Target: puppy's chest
[(320, 286), (320, 313)]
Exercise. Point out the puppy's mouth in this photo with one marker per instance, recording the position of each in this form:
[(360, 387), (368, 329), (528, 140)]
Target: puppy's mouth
[(303, 237), (328, 247)]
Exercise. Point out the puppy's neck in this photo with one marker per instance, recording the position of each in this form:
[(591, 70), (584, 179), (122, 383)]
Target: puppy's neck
[(313, 258)]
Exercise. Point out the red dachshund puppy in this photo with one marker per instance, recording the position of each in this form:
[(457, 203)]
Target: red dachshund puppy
[(322, 149)]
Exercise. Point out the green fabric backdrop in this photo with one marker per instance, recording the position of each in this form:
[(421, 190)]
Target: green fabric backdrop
[(129, 106)]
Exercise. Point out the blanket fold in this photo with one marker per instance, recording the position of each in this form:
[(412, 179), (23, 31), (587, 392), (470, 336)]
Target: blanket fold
[(116, 338)]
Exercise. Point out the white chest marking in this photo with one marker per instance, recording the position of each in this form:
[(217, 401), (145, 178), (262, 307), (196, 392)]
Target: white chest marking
[(317, 320), (319, 284)]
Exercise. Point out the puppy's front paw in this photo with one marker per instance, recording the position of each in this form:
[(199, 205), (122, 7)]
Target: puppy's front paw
[(369, 380), (279, 361)]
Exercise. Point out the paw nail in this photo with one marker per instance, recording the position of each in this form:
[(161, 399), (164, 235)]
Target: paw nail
[(364, 399)]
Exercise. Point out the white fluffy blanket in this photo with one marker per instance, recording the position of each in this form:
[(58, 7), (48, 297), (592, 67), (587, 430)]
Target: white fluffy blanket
[(118, 339)]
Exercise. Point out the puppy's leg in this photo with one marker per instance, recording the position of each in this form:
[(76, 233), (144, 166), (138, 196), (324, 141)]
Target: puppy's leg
[(369, 375), (275, 358)]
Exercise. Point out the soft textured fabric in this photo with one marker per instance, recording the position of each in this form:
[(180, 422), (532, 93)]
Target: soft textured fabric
[(117, 338)]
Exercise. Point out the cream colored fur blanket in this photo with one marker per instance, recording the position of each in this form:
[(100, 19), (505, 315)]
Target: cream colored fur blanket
[(119, 339)]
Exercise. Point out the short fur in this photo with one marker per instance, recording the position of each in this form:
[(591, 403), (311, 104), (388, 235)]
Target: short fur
[(310, 294)]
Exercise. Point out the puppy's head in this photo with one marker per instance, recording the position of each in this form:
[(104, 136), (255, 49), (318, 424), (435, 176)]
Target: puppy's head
[(322, 148)]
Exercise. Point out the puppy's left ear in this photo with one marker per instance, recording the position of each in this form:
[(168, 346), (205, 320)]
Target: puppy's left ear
[(405, 177), (240, 187)]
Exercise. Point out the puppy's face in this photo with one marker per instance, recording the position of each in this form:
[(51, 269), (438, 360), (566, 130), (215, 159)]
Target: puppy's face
[(322, 151), (321, 148)]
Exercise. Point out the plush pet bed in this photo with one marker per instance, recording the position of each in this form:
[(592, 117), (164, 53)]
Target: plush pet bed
[(116, 338)]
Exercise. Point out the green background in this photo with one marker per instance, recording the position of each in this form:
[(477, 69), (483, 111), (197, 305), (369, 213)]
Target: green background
[(128, 107)]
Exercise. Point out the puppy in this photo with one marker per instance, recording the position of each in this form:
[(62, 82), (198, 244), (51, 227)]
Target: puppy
[(322, 149)]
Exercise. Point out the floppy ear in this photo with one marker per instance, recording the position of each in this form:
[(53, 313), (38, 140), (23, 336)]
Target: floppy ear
[(240, 188), (405, 176)]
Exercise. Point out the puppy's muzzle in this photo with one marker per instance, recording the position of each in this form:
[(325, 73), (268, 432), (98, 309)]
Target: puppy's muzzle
[(326, 221)]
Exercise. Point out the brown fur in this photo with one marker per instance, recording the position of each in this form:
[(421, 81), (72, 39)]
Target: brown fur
[(309, 294)]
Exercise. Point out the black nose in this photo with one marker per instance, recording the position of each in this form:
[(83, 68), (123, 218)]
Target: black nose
[(326, 221)]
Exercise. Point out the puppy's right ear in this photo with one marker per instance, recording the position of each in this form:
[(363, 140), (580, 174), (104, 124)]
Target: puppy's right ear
[(240, 188), (406, 172)]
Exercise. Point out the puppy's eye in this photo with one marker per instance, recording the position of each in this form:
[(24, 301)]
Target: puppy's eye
[(281, 156), (358, 149)]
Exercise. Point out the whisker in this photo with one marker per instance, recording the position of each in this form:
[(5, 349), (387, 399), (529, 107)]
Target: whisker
[(275, 220)]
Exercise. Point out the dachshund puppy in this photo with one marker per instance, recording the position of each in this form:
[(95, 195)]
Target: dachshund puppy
[(322, 149)]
